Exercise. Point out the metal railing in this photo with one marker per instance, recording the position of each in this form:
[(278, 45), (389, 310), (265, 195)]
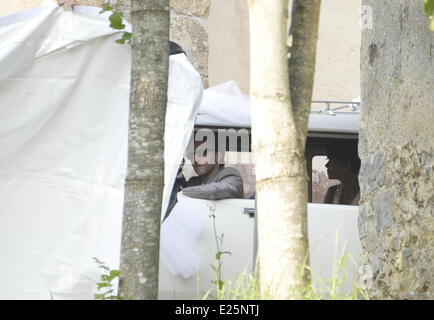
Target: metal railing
[(354, 106)]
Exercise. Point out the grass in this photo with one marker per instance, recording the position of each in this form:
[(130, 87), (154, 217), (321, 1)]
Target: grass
[(246, 286)]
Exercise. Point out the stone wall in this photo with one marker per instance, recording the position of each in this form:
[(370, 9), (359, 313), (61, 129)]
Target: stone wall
[(396, 148), (8, 7), (337, 75), (187, 28)]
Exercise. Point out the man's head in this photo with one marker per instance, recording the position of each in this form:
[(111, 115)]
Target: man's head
[(175, 48), (207, 158), (343, 160)]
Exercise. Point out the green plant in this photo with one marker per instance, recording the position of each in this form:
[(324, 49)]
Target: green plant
[(116, 19), (246, 286), (428, 7), (217, 267), (106, 282)]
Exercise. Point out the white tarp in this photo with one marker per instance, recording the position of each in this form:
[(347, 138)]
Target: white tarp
[(225, 104), (64, 100)]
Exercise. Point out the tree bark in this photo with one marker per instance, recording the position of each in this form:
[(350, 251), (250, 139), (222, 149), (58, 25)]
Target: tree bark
[(303, 36), (145, 177), (277, 142)]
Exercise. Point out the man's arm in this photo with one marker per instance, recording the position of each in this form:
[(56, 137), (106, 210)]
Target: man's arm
[(229, 185)]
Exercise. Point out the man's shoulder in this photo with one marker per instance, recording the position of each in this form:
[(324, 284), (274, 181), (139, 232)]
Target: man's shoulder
[(228, 171)]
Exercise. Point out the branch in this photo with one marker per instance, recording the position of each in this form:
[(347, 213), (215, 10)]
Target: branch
[(304, 35)]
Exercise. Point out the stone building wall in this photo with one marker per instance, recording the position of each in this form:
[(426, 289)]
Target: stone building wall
[(396, 222), (187, 28), (337, 75)]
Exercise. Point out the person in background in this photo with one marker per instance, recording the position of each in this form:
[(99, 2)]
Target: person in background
[(344, 165)]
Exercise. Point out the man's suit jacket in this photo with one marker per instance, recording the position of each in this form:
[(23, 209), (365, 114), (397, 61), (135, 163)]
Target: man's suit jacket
[(227, 183)]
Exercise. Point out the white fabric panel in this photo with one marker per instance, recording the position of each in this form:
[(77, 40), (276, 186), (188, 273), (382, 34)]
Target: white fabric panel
[(64, 95), (64, 101), (179, 233), (183, 101), (225, 104)]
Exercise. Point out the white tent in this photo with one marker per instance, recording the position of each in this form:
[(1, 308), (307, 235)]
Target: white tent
[(64, 92)]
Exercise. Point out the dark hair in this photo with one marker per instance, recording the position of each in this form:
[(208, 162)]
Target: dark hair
[(216, 148), (175, 48), (345, 152)]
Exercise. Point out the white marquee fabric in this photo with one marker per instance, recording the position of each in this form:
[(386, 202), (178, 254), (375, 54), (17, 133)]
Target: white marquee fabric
[(64, 93)]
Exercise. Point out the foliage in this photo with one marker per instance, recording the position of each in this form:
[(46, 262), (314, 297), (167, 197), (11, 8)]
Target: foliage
[(428, 7), (217, 267), (246, 285), (106, 282), (116, 23)]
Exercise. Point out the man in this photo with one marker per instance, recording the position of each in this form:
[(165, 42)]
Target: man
[(343, 165), (214, 181)]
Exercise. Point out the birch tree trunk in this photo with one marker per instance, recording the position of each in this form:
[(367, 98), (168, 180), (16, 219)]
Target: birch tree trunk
[(278, 138), (145, 178)]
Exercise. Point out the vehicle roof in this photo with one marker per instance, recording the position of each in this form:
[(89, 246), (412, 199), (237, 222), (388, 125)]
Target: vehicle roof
[(225, 106), (334, 122)]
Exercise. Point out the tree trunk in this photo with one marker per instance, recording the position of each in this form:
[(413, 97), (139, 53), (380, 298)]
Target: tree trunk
[(303, 37), (396, 148), (277, 141), (145, 178)]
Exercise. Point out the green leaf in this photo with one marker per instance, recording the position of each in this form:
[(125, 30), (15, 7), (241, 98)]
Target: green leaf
[(105, 278), (114, 274), (428, 7), (103, 284), (220, 284), (219, 254), (106, 8), (116, 21), (126, 36)]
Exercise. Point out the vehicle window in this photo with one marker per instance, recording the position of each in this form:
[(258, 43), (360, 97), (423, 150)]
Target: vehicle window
[(242, 161), (320, 181)]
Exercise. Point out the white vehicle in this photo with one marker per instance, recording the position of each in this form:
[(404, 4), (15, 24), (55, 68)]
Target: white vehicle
[(331, 228), (64, 141)]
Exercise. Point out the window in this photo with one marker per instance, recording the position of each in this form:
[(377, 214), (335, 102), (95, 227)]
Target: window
[(320, 180)]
